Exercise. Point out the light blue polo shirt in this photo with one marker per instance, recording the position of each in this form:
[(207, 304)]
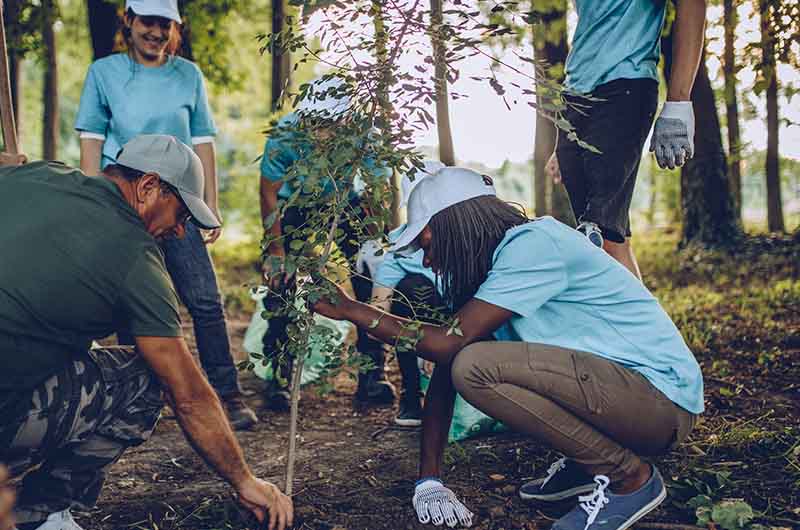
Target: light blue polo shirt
[(395, 267), (281, 151), (566, 292), (122, 99), (614, 39)]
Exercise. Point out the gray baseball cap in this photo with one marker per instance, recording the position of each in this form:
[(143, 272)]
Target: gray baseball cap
[(176, 164)]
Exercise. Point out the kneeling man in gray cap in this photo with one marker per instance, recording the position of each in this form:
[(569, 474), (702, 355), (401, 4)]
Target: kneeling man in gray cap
[(80, 257)]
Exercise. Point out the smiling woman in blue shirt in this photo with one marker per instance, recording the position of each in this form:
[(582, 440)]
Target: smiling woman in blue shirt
[(149, 90), (554, 338)]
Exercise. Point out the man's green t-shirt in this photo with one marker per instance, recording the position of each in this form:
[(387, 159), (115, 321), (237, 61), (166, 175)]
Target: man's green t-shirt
[(76, 264)]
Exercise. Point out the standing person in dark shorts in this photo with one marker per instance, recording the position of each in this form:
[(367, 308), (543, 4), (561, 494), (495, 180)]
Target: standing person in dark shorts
[(612, 82)]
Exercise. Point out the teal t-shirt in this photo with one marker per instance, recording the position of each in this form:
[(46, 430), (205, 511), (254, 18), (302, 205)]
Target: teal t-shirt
[(614, 39), (395, 267), (281, 152), (122, 99), (566, 292)]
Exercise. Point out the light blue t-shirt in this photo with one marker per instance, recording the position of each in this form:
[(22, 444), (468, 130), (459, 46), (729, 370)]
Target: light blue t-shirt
[(394, 267), (122, 99), (614, 39), (282, 151), (566, 292)]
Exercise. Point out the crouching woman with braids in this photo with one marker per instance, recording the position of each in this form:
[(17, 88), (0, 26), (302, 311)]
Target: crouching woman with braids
[(585, 360)]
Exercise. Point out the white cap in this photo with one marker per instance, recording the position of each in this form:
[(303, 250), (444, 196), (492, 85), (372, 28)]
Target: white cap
[(407, 185), (175, 163), (437, 192), (155, 8), (326, 98)]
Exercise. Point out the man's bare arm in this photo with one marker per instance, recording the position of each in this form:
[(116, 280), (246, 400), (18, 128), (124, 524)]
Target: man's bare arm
[(687, 48), (196, 406)]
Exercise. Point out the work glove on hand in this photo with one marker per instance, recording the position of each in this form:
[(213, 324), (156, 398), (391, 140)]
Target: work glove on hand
[(367, 258), (437, 504), (673, 134)]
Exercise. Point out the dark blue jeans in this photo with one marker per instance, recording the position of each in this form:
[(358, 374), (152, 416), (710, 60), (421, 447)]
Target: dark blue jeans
[(192, 272)]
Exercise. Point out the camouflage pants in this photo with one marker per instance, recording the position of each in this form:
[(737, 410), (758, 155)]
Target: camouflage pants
[(74, 425)]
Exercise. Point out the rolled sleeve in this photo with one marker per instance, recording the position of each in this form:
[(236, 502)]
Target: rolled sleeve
[(202, 123), (94, 113), (527, 272)]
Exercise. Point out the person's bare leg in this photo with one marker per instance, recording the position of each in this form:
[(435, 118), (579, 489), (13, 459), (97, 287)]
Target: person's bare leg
[(623, 252)]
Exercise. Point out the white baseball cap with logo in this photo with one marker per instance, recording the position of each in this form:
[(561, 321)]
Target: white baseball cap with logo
[(155, 8), (429, 167), (176, 164), (446, 187)]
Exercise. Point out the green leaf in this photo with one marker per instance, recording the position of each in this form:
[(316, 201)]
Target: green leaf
[(732, 514), (296, 245)]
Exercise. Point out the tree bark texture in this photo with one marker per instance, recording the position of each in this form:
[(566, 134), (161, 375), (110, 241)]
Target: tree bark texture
[(550, 45), (11, 13), (104, 23), (50, 131), (446, 150), (281, 59), (770, 72), (709, 217), (384, 84), (729, 70)]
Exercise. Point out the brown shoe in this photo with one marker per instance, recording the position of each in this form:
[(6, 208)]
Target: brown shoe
[(239, 414)]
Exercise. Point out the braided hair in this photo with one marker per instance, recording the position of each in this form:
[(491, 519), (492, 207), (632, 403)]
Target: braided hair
[(464, 238)]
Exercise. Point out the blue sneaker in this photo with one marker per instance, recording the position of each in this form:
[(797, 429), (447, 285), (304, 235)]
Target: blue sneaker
[(592, 232), (603, 510), (564, 479)]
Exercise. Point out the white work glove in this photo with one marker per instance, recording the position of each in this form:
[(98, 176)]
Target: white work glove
[(367, 258), (673, 134), (437, 504)]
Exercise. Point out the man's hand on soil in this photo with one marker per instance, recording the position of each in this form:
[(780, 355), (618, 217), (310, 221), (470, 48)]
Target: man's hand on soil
[(436, 504), (673, 135), (265, 500)]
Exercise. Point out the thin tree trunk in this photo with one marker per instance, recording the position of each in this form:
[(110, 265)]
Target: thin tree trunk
[(103, 26), (382, 57), (732, 105), (11, 13), (446, 150), (773, 177), (550, 45), (50, 93), (281, 58)]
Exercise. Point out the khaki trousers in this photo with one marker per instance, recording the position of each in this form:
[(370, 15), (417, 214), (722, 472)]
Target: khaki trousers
[(592, 410)]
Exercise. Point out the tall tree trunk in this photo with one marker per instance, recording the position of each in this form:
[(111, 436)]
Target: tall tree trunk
[(386, 109), (706, 199), (11, 13), (769, 70), (103, 26), (729, 70), (50, 93), (446, 150), (281, 58), (550, 45)]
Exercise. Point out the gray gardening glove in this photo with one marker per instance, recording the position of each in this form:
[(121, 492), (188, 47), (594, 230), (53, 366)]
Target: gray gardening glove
[(673, 134), (436, 504)]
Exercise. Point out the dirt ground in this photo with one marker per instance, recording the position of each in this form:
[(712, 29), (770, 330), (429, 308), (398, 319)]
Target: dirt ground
[(356, 471)]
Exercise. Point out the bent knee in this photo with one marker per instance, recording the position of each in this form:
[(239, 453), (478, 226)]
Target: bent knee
[(468, 366)]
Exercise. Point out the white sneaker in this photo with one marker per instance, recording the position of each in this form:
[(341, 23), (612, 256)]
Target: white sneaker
[(60, 521)]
